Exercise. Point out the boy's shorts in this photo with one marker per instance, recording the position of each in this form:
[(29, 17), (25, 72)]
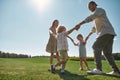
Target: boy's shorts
[(63, 55)]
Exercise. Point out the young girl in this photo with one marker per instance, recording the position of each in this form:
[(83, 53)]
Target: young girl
[(82, 50), (52, 43), (62, 47)]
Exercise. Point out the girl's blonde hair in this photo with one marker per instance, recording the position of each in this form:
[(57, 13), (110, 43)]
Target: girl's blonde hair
[(61, 29)]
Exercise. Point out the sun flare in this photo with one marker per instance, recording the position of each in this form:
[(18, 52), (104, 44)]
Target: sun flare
[(41, 5)]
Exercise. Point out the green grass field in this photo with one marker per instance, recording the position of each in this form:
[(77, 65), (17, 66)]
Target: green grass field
[(37, 69)]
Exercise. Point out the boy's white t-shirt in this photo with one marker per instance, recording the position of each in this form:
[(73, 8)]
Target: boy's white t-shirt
[(62, 43)]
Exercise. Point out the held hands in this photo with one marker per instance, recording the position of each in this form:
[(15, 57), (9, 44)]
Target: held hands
[(78, 25)]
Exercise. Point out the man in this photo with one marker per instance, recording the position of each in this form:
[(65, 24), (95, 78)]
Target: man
[(104, 40)]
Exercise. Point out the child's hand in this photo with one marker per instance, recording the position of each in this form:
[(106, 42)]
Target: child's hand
[(75, 44)]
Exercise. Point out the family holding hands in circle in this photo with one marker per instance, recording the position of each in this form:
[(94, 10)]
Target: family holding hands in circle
[(104, 42)]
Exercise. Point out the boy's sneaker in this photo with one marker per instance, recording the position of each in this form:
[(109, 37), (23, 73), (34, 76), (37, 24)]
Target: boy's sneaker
[(114, 73), (60, 67), (62, 71), (94, 71), (53, 68)]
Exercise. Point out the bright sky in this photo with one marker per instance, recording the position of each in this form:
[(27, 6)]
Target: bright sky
[(24, 24)]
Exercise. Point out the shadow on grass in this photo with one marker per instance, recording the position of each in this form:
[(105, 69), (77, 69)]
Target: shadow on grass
[(71, 76), (104, 74)]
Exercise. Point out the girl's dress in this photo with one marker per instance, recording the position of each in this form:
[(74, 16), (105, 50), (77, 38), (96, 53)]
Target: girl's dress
[(82, 50), (51, 46)]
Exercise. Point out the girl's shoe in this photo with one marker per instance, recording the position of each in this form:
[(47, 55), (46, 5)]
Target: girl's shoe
[(88, 69), (53, 68), (80, 69)]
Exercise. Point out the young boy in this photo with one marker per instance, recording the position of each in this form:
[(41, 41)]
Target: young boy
[(62, 47)]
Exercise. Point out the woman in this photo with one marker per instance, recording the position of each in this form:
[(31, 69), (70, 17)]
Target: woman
[(52, 43)]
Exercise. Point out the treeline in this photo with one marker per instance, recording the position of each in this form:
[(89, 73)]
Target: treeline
[(115, 55), (12, 55)]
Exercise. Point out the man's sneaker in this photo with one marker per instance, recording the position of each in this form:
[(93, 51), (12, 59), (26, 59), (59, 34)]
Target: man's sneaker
[(94, 71), (114, 73), (53, 68), (62, 71)]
